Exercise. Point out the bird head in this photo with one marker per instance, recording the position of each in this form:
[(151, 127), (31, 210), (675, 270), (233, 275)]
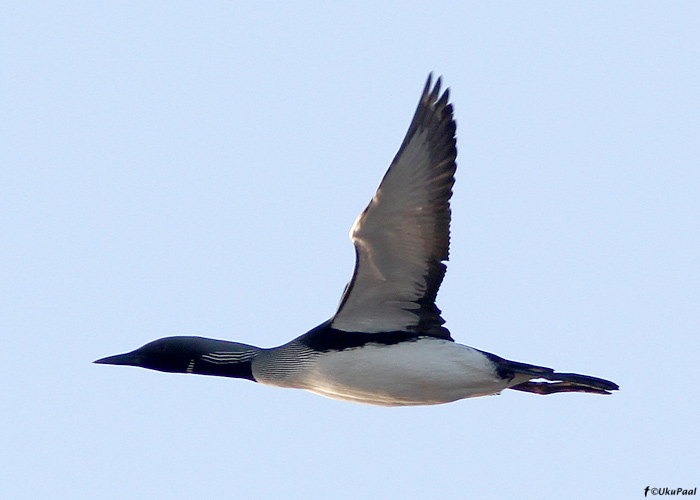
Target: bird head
[(190, 355)]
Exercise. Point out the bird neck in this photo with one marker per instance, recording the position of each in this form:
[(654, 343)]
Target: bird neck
[(225, 359)]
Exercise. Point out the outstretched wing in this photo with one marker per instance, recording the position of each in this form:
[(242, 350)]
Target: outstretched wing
[(402, 237)]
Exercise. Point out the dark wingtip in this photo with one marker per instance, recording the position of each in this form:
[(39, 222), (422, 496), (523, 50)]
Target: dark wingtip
[(433, 90), (428, 84), (431, 93), (435, 94)]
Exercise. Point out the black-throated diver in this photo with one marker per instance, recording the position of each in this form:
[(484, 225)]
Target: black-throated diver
[(386, 344)]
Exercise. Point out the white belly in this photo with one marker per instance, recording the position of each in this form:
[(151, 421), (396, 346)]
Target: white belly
[(427, 371)]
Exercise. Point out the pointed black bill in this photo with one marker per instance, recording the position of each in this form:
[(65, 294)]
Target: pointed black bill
[(130, 358)]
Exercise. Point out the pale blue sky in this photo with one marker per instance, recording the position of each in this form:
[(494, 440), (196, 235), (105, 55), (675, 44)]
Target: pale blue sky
[(180, 168)]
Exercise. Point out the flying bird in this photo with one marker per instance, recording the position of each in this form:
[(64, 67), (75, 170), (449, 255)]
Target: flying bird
[(386, 344)]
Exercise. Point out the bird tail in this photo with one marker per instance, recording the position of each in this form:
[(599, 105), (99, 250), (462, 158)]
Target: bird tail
[(556, 382)]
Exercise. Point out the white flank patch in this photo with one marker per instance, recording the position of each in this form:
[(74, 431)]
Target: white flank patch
[(427, 371)]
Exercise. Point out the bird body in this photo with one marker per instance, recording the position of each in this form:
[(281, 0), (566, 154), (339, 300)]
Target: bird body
[(386, 344), (423, 371)]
